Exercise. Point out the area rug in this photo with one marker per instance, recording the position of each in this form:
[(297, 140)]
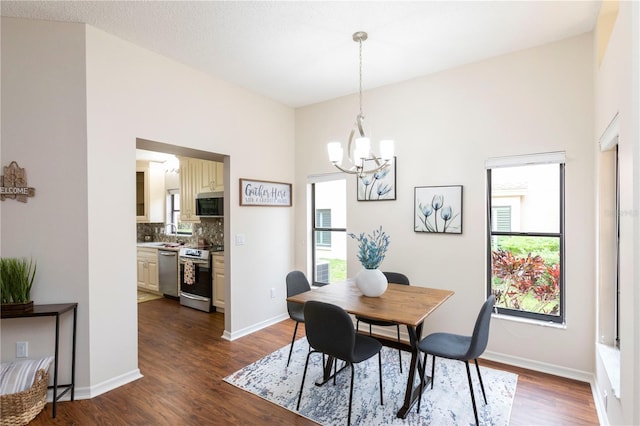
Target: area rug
[(143, 296), (448, 403)]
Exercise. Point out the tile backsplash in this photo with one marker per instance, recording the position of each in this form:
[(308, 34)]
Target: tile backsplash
[(210, 229)]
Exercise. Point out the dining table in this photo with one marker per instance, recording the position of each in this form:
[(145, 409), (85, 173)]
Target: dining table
[(407, 305)]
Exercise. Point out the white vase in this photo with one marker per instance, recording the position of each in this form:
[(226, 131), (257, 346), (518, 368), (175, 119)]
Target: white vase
[(371, 282)]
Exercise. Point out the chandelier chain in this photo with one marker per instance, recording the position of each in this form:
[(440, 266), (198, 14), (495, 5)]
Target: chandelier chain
[(360, 75)]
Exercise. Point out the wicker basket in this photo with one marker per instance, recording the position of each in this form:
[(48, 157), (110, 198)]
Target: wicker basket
[(21, 407)]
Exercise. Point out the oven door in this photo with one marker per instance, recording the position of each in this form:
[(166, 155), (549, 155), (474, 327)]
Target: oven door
[(195, 284)]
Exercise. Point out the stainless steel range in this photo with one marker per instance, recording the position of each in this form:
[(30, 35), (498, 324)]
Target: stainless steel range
[(195, 278)]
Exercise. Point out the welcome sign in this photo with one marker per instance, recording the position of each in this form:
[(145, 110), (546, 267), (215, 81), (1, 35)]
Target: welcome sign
[(264, 193), (13, 184)]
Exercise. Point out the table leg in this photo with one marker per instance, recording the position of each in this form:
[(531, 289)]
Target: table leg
[(55, 366), (73, 353), (412, 393)]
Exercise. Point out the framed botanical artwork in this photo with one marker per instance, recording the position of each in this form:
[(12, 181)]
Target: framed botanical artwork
[(438, 209), (378, 186)]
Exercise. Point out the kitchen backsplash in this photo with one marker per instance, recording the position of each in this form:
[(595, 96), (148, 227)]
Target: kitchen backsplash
[(210, 229)]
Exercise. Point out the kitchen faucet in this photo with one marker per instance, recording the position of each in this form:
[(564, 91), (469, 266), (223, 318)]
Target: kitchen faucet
[(175, 229)]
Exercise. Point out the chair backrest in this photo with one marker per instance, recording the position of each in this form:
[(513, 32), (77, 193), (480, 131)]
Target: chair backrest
[(396, 278), (296, 283), (480, 336), (329, 329)]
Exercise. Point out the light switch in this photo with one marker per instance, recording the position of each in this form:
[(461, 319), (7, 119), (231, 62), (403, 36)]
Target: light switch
[(240, 239)]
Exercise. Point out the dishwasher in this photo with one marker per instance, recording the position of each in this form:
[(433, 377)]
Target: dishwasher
[(168, 272)]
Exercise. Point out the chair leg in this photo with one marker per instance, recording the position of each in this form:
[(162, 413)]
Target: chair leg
[(357, 325), (473, 398), (295, 330), (304, 374), (350, 395), (399, 351), (480, 377), (380, 371), (433, 368)]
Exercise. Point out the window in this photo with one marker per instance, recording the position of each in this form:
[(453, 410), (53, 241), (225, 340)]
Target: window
[(173, 207), (525, 247), (329, 230)]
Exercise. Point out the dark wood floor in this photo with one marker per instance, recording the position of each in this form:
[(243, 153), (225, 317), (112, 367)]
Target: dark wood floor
[(183, 360)]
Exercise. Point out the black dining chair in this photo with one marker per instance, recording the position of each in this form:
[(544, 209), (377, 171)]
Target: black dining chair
[(396, 278), (330, 331), (296, 283), (461, 348)]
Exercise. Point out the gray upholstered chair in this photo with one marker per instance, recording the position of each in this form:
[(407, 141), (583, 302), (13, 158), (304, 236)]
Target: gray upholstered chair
[(396, 278), (296, 283), (330, 331), (461, 348)]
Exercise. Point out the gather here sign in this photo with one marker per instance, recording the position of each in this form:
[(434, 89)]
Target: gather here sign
[(264, 193)]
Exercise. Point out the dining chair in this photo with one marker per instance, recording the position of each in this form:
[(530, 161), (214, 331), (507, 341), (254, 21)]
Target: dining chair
[(296, 283), (461, 348), (396, 278), (330, 331)]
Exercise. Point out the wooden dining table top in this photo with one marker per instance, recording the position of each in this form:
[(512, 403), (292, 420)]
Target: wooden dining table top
[(402, 304)]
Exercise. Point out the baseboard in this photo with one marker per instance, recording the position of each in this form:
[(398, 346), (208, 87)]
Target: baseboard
[(99, 389), (252, 329), (541, 367)]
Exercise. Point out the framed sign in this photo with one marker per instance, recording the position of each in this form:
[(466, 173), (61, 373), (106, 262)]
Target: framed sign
[(264, 193)]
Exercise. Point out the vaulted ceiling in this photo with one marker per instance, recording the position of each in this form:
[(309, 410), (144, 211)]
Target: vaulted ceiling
[(302, 52)]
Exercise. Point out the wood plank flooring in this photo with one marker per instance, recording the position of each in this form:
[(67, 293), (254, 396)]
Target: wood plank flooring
[(183, 360)]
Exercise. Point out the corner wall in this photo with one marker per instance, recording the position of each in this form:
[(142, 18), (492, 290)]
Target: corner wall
[(617, 88)]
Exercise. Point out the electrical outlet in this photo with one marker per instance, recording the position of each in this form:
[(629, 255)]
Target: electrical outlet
[(22, 349), (273, 293)]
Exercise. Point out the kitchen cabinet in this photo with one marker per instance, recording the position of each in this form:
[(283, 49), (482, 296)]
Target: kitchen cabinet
[(218, 281), (148, 269), (150, 193), (189, 176), (210, 176), (197, 176)]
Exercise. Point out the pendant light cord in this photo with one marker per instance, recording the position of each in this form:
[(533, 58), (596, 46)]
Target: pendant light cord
[(360, 75)]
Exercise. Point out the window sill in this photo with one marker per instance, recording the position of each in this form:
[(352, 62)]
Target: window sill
[(560, 326), (610, 358)]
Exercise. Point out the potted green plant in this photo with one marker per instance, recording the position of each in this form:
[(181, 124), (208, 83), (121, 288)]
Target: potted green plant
[(371, 252), (16, 280)]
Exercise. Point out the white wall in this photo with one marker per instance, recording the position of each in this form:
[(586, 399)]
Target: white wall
[(130, 93), (618, 92), (44, 130), (445, 126)]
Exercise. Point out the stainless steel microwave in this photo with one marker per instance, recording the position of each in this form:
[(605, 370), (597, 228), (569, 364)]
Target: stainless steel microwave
[(210, 204)]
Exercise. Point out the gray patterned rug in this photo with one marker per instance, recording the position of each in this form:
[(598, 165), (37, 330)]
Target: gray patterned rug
[(449, 403)]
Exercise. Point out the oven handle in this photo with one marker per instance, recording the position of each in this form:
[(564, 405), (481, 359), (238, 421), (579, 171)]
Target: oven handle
[(193, 297), (195, 262)]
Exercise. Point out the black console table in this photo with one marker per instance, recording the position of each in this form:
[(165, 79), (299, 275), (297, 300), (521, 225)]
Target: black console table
[(55, 310)]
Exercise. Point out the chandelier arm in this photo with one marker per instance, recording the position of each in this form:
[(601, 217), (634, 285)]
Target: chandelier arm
[(350, 171)]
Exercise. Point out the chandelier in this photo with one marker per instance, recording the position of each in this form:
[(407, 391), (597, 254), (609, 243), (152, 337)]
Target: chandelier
[(362, 160)]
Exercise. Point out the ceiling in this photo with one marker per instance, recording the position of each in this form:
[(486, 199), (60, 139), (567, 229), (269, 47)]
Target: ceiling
[(302, 52)]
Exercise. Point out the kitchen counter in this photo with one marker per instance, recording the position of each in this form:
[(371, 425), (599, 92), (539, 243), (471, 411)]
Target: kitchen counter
[(161, 246), (175, 247)]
